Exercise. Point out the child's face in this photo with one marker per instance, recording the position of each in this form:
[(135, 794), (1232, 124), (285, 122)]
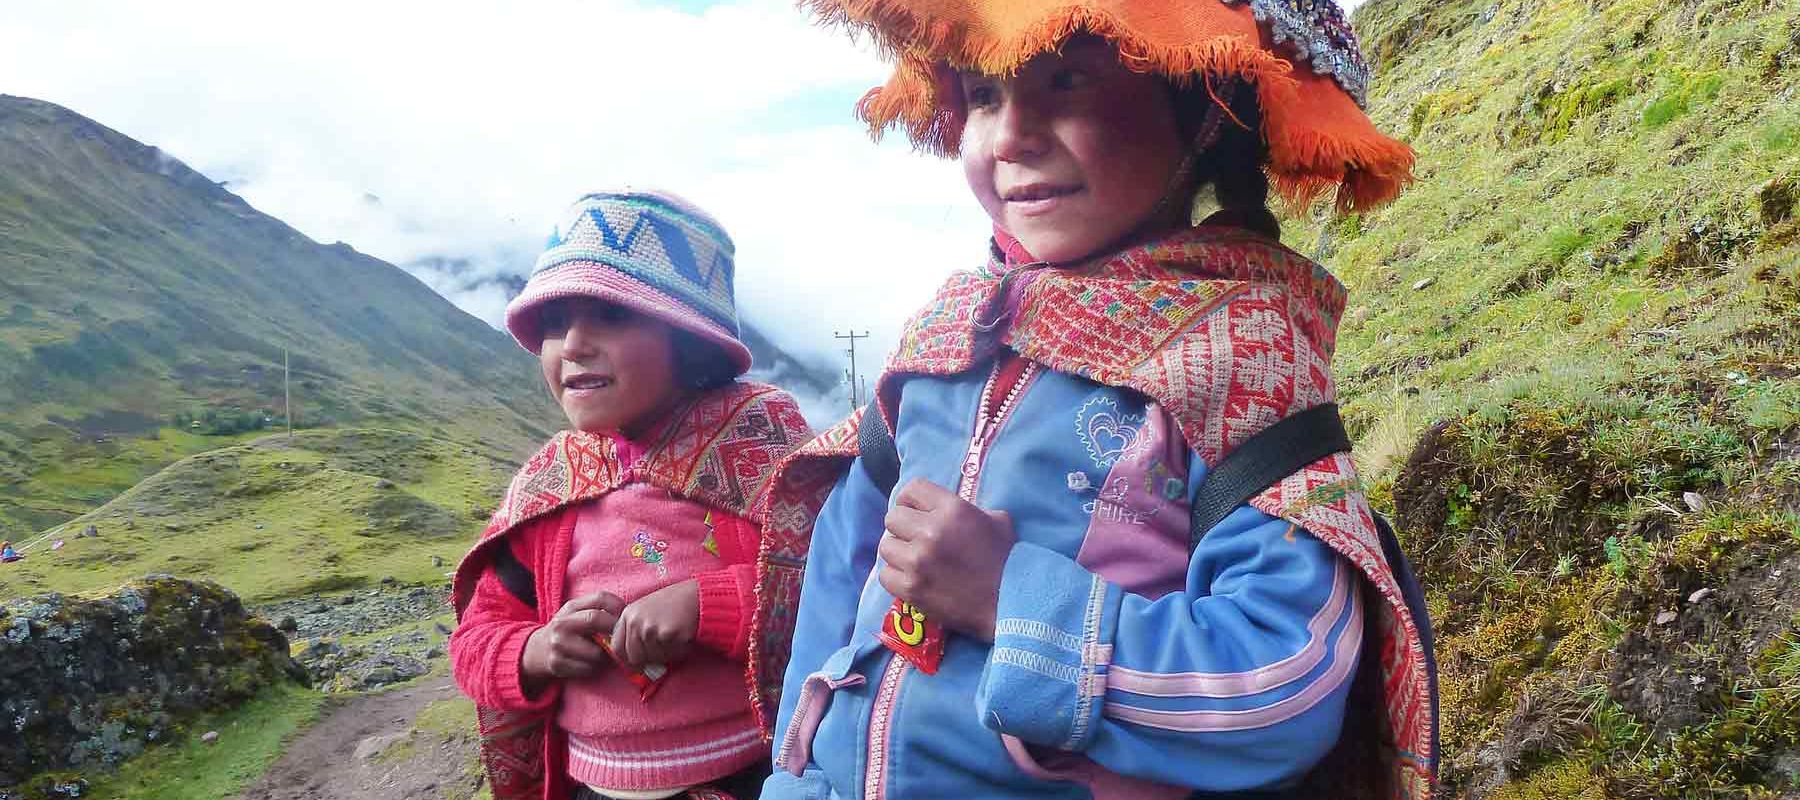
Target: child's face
[(1073, 153), (609, 367)]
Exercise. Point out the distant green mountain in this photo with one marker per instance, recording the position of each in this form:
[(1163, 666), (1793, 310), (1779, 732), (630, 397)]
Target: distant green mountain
[(1572, 360), (135, 292)]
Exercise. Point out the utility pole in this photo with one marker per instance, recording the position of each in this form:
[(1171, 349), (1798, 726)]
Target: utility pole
[(855, 401), (287, 398)]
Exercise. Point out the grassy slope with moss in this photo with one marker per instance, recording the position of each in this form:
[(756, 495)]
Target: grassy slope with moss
[(1587, 309), (133, 288)]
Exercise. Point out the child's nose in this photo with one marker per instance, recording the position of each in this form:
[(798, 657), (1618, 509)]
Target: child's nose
[(1019, 131), (581, 339)]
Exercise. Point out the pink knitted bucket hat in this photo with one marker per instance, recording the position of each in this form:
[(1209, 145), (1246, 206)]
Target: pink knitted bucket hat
[(649, 251)]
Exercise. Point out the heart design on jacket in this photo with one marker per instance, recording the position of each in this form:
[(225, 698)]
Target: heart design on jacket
[(1105, 432)]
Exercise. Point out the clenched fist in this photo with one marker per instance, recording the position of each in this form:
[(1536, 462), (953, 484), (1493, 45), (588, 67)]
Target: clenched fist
[(945, 555), (564, 647), (659, 627)]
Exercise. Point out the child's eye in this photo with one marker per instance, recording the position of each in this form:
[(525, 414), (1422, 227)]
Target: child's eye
[(981, 96), (612, 315), (1068, 78), (553, 320)]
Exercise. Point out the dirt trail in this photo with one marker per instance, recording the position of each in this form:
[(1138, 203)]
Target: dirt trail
[(368, 747)]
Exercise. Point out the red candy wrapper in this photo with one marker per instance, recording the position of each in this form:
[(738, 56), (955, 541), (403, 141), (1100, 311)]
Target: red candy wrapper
[(907, 632), (647, 682)]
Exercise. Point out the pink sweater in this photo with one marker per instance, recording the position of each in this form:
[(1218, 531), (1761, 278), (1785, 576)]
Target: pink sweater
[(699, 725)]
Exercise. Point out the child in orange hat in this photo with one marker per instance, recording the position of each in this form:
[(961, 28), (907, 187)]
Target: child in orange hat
[(1034, 586)]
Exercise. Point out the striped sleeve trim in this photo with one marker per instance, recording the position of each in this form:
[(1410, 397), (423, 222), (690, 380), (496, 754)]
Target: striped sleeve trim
[(1243, 684), (1038, 631), (1344, 658)]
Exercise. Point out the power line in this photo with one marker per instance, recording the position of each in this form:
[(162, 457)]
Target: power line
[(852, 377)]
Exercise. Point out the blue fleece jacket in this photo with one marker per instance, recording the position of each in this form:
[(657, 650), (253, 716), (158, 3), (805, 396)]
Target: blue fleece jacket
[(1123, 664)]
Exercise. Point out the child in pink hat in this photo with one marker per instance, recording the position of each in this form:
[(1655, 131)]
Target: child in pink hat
[(622, 618)]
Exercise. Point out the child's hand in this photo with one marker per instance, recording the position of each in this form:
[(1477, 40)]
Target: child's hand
[(945, 555), (565, 647), (659, 627)]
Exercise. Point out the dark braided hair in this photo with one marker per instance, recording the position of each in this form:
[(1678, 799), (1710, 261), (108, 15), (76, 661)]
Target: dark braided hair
[(1234, 164)]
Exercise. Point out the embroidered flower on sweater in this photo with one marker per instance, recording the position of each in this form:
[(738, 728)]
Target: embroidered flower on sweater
[(650, 550)]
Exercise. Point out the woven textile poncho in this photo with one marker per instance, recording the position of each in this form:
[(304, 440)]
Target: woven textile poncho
[(1300, 55)]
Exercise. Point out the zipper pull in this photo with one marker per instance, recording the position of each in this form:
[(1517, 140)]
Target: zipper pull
[(971, 465)]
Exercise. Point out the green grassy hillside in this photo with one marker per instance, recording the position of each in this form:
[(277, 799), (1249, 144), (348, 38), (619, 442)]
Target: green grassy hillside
[(271, 518), (134, 290), (1572, 360)]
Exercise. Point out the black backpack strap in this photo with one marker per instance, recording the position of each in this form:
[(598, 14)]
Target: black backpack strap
[(1277, 452), (513, 575), (875, 444)]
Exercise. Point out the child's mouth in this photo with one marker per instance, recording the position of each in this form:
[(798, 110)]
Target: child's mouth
[(586, 382), (1038, 191), (1037, 196)]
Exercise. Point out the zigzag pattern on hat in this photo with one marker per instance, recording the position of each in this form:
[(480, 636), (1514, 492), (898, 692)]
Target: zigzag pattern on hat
[(655, 240)]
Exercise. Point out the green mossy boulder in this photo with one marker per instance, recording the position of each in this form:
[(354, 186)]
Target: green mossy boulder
[(90, 683)]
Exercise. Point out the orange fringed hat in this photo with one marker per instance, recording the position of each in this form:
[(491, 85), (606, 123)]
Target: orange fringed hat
[(1300, 55)]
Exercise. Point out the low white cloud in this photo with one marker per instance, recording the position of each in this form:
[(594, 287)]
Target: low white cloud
[(445, 137)]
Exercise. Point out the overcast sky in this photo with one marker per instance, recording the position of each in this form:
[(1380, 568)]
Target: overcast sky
[(420, 132)]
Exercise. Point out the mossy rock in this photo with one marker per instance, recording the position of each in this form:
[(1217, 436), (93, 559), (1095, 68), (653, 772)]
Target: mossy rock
[(49, 786), (89, 683)]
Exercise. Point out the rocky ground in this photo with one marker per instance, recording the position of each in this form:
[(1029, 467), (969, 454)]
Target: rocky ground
[(366, 639), (90, 683), (376, 739)]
